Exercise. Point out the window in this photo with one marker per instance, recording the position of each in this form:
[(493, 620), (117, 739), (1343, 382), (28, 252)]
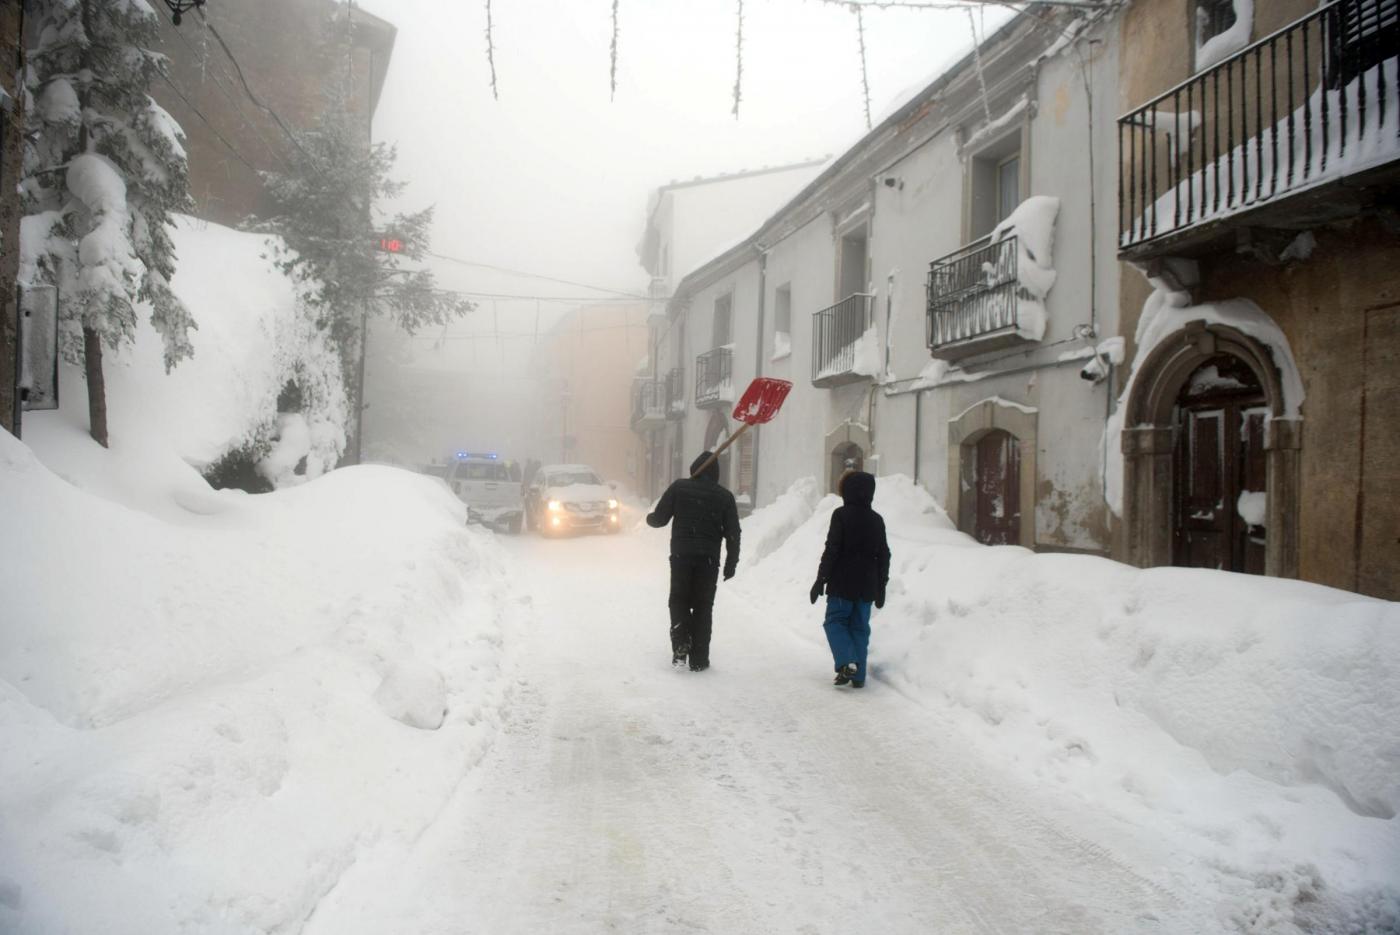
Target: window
[(852, 273), (1213, 17), (993, 185), (722, 327), (782, 322), (1008, 186)]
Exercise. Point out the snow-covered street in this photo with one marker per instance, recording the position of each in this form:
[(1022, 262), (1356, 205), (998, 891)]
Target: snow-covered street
[(754, 797)]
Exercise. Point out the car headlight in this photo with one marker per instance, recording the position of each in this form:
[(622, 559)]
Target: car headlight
[(554, 506), (612, 504)]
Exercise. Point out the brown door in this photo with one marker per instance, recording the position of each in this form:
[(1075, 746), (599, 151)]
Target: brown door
[(1219, 490), (998, 489)]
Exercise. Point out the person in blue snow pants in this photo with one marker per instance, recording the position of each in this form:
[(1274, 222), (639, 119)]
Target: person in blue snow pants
[(853, 573)]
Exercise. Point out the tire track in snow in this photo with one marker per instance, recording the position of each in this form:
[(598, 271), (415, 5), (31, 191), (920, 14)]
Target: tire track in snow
[(623, 796)]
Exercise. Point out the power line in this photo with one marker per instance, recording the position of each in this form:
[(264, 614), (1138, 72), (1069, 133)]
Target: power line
[(243, 79), (213, 129), (618, 293)]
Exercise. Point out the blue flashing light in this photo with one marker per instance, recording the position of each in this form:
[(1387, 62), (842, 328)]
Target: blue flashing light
[(464, 455)]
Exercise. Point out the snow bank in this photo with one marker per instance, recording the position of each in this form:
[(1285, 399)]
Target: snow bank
[(1251, 723), (204, 724), (253, 337)]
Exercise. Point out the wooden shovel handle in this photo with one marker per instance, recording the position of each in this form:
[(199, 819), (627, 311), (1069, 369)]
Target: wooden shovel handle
[(720, 450)]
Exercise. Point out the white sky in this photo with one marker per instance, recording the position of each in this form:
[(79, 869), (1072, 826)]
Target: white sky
[(553, 177)]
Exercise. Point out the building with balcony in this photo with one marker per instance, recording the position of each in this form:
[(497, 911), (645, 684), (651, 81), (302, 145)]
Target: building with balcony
[(687, 223), (1259, 176), (935, 292)]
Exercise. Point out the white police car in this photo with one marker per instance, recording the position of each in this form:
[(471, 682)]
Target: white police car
[(490, 487)]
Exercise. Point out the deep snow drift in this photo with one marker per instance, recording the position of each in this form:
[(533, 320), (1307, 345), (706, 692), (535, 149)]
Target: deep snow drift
[(1252, 723), (204, 723)]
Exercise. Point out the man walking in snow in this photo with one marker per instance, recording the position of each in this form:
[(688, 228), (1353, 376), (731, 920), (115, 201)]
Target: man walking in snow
[(854, 569), (701, 513)]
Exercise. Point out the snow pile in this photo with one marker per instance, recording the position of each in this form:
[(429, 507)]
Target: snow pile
[(771, 526), (1222, 45), (1251, 723), (205, 724), (1033, 226), (865, 354), (254, 337), (782, 345)]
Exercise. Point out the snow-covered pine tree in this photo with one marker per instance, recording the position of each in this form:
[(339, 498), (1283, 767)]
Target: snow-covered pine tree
[(104, 166), (328, 215)]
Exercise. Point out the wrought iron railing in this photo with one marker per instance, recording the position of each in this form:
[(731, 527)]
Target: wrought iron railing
[(675, 393), (714, 376), (1310, 102), (972, 292), (649, 400), (835, 331)]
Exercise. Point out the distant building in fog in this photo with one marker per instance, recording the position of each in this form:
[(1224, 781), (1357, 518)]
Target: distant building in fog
[(687, 224), (584, 368), (281, 46)]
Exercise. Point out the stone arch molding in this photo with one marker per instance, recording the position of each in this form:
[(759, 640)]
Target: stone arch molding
[(965, 431), (1148, 443), (847, 432)]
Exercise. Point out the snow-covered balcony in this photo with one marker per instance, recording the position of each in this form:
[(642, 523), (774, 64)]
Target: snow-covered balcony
[(975, 300), (649, 403), (714, 378), (844, 345), (1292, 131)]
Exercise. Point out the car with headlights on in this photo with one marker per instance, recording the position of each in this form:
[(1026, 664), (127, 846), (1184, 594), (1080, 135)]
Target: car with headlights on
[(563, 498)]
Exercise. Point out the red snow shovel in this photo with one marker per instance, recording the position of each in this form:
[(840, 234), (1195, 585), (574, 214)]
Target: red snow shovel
[(759, 404)]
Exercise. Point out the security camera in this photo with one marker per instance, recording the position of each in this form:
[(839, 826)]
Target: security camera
[(1094, 371), (893, 182)]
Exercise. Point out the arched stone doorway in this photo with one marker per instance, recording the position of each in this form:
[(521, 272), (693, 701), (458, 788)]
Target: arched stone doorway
[(847, 448), (991, 472), (1206, 423), (845, 457)]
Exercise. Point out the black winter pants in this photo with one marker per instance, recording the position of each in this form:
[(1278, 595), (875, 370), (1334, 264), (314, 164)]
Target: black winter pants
[(693, 580)]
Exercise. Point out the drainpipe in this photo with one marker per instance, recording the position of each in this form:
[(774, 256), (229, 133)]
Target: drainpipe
[(918, 429), (758, 357)]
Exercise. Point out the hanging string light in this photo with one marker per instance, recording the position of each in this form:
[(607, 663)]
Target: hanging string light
[(490, 52), (864, 73), (178, 8), (612, 74), (739, 61)]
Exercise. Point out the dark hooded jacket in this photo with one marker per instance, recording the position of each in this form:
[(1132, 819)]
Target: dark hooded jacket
[(701, 514), (856, 561)]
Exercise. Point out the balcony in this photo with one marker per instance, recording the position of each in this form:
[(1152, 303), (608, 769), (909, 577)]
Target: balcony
[(841, 350), (675, 394), (714, 378), (975, 301), (649, 403), (1296, 130)]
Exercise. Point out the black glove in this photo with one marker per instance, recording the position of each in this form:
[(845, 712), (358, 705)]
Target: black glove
[(816, 591), (880, 597), (728, 571)]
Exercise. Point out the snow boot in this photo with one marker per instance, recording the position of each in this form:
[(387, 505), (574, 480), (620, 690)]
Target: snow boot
[(678, 660), (846, 674), (857, 684), (699, 667)]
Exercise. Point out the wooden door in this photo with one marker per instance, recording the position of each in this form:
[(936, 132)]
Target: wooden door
[(998, 489), (1220, 483)]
